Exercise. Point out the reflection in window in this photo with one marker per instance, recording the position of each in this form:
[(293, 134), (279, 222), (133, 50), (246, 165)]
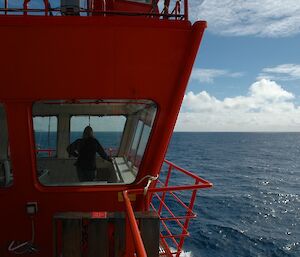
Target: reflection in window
[(6, 177), (105, 140)]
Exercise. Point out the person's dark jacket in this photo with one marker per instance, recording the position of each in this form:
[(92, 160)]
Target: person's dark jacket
[(85, 150)]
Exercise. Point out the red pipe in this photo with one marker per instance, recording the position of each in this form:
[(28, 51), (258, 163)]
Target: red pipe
[(180, 201), (175, 236), (138, 242), (165, 247), (165, 185), (186, 10), (186, 224), (25, 6), (172, 214), (169, 232), (171, 188), (187, 172), (46, 3)]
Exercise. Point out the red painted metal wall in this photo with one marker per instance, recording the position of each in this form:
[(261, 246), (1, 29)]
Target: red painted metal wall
[(46, 58)]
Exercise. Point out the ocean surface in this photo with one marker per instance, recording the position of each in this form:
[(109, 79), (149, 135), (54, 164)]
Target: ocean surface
[(254, 207)]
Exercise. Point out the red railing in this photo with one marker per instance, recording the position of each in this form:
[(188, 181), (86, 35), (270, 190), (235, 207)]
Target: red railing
[(49, 151), (174, 221), (171, 9), (137, 239)]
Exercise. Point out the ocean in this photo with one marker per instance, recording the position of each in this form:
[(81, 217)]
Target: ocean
[(254, 207), (253, 210)]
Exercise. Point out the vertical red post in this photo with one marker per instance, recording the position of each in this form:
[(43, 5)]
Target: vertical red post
[(166, 8), (176, 9), (135, 232), (46, 3), (186, 10), (186, 223), (164, 193), (25, 7)]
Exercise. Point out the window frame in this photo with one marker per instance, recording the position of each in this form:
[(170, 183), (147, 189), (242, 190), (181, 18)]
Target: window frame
[(134, 159), (6, 163), (135, 169)]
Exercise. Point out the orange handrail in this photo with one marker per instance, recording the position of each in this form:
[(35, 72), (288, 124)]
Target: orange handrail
[(182, 221), (169, 216), (137, 239)]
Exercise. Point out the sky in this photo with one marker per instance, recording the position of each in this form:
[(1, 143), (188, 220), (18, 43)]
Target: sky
[(246, 76)]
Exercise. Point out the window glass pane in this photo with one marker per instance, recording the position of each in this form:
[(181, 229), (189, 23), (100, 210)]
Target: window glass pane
[(135, 142), (91, 142), (107, 130), (45, 132), (142, 145), (6, 176)]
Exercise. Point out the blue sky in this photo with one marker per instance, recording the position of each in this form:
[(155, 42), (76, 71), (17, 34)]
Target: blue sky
[(244, 58), (247, 73)]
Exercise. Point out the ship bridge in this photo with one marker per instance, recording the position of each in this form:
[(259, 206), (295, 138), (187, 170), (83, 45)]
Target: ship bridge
[(122, 127), (120, 67)]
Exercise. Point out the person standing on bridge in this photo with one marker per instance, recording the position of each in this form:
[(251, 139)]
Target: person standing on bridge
[(85, 149)]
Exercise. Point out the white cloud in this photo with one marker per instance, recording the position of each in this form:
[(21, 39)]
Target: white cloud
[(208, 75), (267, 107), (268, 18), (269, 90), (281, 72)]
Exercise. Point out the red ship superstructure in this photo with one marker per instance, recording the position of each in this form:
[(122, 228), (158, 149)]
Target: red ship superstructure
[(121, 67)]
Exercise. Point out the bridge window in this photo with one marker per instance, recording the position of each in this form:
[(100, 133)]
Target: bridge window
[(6, 176), (91, 142), (139, 143), (131, 155), (107, 130)]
